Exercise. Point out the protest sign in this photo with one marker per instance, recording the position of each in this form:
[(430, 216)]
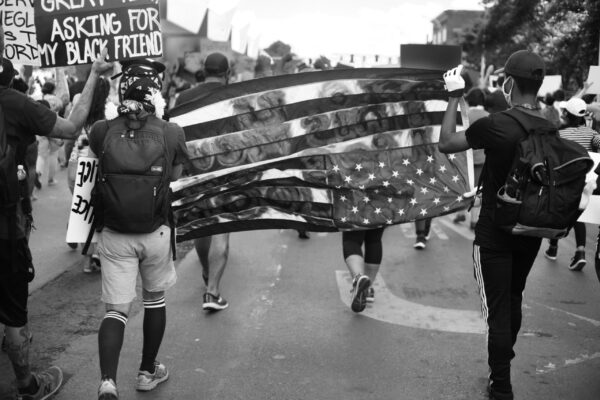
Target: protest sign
[(591, 215), (550, 84), (430, 56), (20, 44), (82, 212), (594, 79), (72, 32)]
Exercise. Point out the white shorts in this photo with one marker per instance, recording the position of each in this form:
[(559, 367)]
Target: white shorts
[(122, 255)]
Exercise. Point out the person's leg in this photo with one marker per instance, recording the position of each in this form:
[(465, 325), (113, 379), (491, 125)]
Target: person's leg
[(155, 320), (52, 166), (578, 261), (352, 250), (213, 253), (552, 249), (521, 266), (373, 256), (492, 270), (422, 228), (43, 150), (110, 338)]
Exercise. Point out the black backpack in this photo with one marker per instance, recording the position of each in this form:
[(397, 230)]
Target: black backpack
[(134, 171), (543, 189)]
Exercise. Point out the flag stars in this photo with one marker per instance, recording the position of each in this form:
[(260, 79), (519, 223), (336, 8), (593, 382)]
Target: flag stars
[(459, 199), (395, 174), (361, 187), (336, 168), (348, 179), (401, 212), (419, 171), (443, 168), (413, 201), (344, 219), (452, 157), (390, 200), (371, 177), (343, 198), (365, 221), (455, 178), (389, 221), (354, 210), (366, 199), (410, 181), (424, 190), (358, 167), (446, 190), (378, 211), (423, 212), (446, 208), (386, 184), (429, 159), (436, 201), (381, 165), (406, 161), (432, 181)]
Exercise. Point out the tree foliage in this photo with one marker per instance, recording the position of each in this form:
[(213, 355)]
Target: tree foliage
[(564, 32), (278, 49)]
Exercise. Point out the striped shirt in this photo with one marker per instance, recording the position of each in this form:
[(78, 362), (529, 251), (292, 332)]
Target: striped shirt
[(582, 135)]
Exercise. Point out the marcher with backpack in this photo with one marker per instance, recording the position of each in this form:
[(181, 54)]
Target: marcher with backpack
[(576, 130), (20, 119), (139, 155), (522, 151)]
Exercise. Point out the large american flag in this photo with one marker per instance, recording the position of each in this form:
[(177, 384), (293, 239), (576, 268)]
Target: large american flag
[(320, 151)]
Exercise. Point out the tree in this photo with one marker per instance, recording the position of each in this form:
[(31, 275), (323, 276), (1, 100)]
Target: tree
[(278, 49), (564, 32)]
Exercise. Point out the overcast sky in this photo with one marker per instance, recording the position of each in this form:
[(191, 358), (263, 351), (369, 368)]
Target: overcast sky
[(328, 27)]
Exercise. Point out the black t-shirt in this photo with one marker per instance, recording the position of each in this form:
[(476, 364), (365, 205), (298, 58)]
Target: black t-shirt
[(498, 134), (23, 119)]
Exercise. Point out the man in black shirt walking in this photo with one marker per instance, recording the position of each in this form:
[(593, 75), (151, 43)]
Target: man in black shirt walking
[(501, 261)]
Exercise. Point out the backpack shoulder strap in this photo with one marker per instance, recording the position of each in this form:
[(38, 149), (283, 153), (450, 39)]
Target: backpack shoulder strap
[(520, 118)]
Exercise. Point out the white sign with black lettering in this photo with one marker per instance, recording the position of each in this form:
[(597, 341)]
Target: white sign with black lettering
[(82, 212)]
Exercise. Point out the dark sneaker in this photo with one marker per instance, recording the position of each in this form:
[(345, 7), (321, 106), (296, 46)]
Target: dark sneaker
[(550, 254), (214, 303), (303, 235), (358, 299), (421, 242), (147, 381), (460, 217), (93, 265), (498, 395), (370, 295), (108, 390), (578, 261), (49, 382)]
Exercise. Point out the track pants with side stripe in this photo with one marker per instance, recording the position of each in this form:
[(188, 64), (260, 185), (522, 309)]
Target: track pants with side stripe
[(501, 277)]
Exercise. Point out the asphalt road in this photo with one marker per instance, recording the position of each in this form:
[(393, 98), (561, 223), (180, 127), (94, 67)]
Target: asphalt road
[(289, 333)]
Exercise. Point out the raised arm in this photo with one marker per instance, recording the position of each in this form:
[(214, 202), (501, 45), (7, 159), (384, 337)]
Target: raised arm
[(450, 140), (68, 128), (62, 87)]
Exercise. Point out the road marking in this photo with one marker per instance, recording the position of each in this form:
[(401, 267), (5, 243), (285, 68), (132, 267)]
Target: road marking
[(581, 317), (438, 231), (461, 230), (551, 367), (395, 310)]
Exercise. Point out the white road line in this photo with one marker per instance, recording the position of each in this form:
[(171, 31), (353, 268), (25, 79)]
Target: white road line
[(581, 317), (395, 310), (461, 230), (438, 231), (550, 367)]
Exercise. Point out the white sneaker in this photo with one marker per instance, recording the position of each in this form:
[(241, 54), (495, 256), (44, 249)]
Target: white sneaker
[(108, 390), (147, 381)]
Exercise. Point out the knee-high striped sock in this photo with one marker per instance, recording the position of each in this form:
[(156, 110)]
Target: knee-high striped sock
[(110, 341), (155, 320)]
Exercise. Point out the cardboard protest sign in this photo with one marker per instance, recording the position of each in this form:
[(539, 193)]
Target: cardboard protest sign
[(82, 212), (20, 44), (72, 32), (594, 79)]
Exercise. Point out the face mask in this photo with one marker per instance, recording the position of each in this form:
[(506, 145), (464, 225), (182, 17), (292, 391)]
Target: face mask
[(508, 95)]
